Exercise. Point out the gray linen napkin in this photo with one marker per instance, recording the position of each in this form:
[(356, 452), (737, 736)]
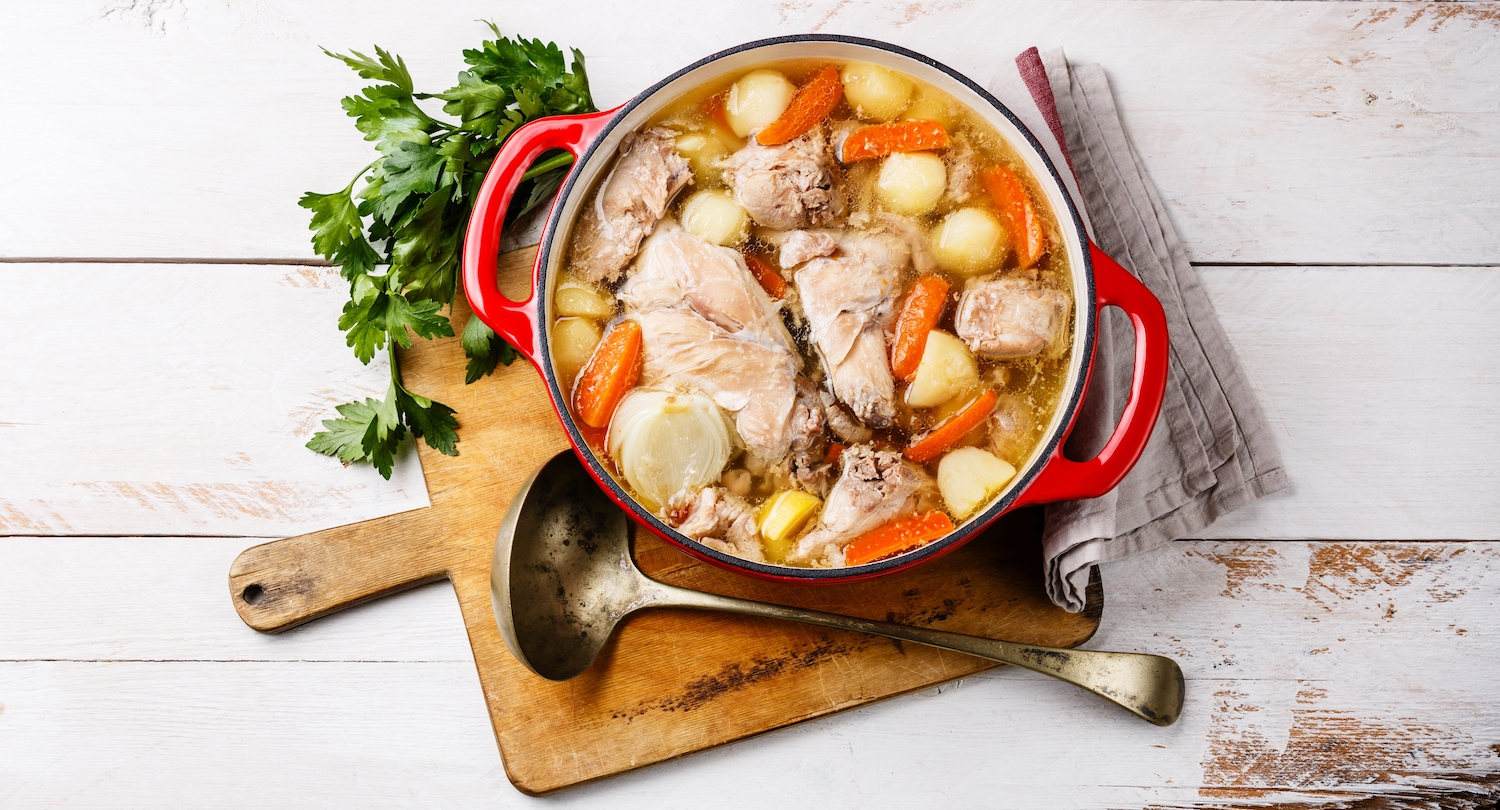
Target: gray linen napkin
[(1212, 451)]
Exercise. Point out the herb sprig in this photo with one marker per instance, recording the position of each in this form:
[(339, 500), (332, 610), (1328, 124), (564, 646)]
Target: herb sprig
[(397, 239)]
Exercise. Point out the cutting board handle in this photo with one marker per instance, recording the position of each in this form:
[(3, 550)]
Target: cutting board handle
[(277, 586)]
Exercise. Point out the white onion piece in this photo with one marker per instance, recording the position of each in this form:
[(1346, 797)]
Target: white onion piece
[(666, 442)]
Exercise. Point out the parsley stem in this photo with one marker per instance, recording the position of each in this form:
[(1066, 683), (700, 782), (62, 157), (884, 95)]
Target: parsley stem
[(541, 168), (349, 188)]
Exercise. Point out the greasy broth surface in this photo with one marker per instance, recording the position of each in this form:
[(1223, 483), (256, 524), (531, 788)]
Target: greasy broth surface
[(1031, 385)]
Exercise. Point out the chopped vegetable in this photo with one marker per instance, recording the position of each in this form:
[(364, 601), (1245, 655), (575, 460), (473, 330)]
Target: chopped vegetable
[(612, 371), (397, 239), (808, 108), (785, 515), (935, 441), (903, 136), (573, 343), (714, 216), (831, 456), (947, 370), (969, 242), (875, 92), (911, 183), (924, 306), (771, 280), (757, 100), (1010, 196), (575, 299), (968, 477), (713, 107), (668, 442), (897, 536)]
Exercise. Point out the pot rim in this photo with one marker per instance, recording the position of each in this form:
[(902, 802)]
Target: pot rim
[(972, 525)]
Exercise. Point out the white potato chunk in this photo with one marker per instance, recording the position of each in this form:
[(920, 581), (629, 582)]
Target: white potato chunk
[(713, 215), (703, 151), (875, 93), (930, 105), (947, 368), (757, 99), (911, 183), (573, 342), (575, 299), (969, 477), (969, 241)]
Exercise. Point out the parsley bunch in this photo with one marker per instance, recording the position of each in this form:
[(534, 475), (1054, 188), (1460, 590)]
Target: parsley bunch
[(398, 239)]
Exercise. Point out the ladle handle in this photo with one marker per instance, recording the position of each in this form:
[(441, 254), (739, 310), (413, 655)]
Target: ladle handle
[(1150, 686)]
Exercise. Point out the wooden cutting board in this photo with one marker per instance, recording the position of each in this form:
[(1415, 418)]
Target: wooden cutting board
[(673, 681)]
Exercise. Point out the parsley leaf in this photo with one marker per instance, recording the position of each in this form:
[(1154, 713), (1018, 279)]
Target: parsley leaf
[(399, 238)]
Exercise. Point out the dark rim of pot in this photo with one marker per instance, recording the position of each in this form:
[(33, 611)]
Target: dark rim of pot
[(973, 524)]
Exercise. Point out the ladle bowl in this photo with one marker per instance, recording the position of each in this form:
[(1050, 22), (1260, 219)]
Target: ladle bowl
[(563, 578)]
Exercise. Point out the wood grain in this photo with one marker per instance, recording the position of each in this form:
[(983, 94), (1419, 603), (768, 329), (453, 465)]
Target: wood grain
[(1245, 117), (672, 682)]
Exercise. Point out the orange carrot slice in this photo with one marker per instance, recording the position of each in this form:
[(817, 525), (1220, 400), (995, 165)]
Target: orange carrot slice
[(835, 450), (807, 109), (713, 107), (902, 136), (770, 279), (933, 443), (1010, 196), (902, 534), (613, 370), (924, 306)]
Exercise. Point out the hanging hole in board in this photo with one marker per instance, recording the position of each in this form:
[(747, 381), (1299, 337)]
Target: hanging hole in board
[(253, 594)]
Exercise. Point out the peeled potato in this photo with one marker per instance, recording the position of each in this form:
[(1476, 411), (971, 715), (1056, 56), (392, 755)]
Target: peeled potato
[(574, 299), (928, 105), (573, 342), (947, 368), (703, 151), (785, 515), (969, 477), (757, 99), (911, 183), (713, 215), (875, 93), (969, 241)]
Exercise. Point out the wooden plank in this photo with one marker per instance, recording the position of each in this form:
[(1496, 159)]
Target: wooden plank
[(1376, 379), (1303, 132), (1311, 672), (176, 399)]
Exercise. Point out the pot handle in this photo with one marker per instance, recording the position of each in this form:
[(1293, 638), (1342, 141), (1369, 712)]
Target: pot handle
[(515, 321), (1063, 479)]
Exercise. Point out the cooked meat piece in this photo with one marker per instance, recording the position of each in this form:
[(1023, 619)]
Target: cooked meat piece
[(875, 487), (916, 241), (676, 268), (842, 422), (646, 177), (802, 246), (1013, 317), (809, 444), (849, 303), (720, 520), (683, 351), (1011, 427), (963, 171), (786, 186)]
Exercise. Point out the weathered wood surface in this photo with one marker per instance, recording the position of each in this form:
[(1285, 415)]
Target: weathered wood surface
[(1368, 375), (1319, 674), (1276, 132)]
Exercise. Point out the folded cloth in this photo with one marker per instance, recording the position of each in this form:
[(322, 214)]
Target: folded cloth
[(1211, 451)]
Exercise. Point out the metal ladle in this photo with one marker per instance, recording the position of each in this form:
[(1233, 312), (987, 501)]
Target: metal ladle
[(562, 578)]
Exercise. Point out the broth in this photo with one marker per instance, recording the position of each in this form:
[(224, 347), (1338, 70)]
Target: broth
[(719, 314)]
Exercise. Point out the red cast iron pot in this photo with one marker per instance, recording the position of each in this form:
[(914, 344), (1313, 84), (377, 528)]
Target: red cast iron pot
[(594, 139)]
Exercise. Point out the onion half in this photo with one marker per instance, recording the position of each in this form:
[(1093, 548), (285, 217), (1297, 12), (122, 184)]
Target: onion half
[(665, 442)]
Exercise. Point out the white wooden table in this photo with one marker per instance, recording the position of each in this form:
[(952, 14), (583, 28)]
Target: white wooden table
[(167, 348)]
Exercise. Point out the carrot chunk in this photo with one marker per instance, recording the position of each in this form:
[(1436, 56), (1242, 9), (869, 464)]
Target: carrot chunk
[(770, 279), (933, 443), (1010, 196), (924, 306), (899, 535), (612, 371), (713, 107), (902, 136), (806, 110), (831, 456)]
